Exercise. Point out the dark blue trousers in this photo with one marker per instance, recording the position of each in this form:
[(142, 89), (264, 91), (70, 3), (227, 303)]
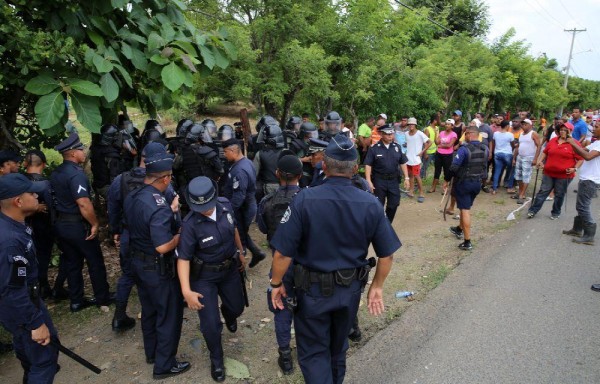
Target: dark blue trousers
[(39, 362), (322, 327), (76, 249), (162, 313), (44, 241), (387, 190), (228, 286), (283, 317), (126, 281), (244, 218)]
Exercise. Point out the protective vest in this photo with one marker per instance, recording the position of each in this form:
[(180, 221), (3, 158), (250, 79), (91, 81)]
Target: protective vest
[(105, 164), (476, 168), (275, 205), (130, 181), (268, 166), (200, 160)]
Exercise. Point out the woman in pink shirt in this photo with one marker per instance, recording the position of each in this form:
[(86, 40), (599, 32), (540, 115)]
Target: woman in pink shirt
[(443, 158)]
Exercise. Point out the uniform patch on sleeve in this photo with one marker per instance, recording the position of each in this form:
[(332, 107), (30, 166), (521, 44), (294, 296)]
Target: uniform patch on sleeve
[(286, 215), (81, 189), (236, 182), (160, 200), (229, 218), (22, 271)]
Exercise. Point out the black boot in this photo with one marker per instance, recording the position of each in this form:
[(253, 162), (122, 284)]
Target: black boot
[(257, 254), (577, 229), (285, 361), (122, 322), (589, 231)]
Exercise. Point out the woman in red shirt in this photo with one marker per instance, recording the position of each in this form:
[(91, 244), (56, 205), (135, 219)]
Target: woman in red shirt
[(560, 168)]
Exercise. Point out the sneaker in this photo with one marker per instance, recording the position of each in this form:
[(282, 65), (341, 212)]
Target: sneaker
[(549, 198), (520, 201), (465, 246), (554, 217), (456, 231), (530, 215)]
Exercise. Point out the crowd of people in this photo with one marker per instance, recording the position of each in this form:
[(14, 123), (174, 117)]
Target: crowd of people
[(180, 208)]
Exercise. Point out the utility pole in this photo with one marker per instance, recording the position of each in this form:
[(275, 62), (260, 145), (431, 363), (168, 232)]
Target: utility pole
[(574, 31)]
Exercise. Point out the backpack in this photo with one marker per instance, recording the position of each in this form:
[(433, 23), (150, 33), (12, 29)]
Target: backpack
[(275, 205)]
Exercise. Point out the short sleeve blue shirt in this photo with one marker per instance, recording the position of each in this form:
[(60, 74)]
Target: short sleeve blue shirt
[(240, 188), (330, 227), (69, 183), (385, 160)]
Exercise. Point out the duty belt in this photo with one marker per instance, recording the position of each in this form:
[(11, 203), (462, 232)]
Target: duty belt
[(386, 176), (69, 217), (144, 257), (223, 266)]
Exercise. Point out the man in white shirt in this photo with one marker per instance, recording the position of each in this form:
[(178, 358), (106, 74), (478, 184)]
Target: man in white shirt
[(589, 179), (416, 145), (525, 155)]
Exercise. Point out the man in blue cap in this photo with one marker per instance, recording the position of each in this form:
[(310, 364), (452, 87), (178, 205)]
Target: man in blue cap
[(10, 161), (316, 150), (22, 311), (329, 276), (153, 237), (210, 258), (76, 226), (121, 186), (240, 190)]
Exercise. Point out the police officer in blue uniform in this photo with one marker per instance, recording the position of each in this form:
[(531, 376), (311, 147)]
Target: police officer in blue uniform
[(381, 170), (240, 190), (210, 259), (329, 275), (22, 311), (121, 186), (270, 212), (153, 237), (317, 151), (76, 226)]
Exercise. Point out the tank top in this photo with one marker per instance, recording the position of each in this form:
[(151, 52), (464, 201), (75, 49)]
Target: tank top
[(431, 132), (527, 145)]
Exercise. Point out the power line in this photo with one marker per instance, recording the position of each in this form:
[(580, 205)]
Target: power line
[(431, 20), (548, 13), (542, 15), (566, 9)]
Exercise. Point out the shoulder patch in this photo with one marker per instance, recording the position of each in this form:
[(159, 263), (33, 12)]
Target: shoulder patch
[(229, 218), (236, 182), (20, 260), (81, 189), (396, 148), (160, 200), (286, 215)]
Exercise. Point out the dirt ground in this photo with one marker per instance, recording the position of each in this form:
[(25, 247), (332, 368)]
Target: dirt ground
[(428, 254)]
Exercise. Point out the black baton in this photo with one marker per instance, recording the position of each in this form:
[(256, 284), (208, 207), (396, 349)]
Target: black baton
[(74, 356), (244, 290)]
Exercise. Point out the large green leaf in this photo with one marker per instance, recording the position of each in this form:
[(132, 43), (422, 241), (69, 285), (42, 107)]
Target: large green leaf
[(96, 38), (102, 65), (159, 59), (125, 75), (186, 46), (85, 87), (207, 57), (109, 87), (139, 60), (49, 109), (230, 49), (172, 76), (155, 41), (220, 60), (88, 111), (41, 85), (126, 50)]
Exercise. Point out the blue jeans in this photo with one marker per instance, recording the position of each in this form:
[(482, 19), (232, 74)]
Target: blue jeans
[(503, 161), (586, 190), (425, 165), (560, 190)]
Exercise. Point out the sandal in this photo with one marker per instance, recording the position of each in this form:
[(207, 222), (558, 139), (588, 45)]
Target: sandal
[(449, 212), (431, 191), (410, 195), (511, 191), (420, 199), (515, 197)]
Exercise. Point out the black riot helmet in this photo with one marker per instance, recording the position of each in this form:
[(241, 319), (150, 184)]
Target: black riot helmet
[(333, 123), (108, 134), (293, 124), (197, 132), (265, 121), (153, 124), (183, 127), (308, 130), (152, 135), (272, 136), (226, 132), (211, 127)]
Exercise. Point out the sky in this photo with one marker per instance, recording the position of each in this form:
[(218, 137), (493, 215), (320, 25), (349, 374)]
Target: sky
[(542, 23)]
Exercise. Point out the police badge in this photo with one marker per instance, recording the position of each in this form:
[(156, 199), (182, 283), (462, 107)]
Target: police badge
[(229, 218), (286, 215)]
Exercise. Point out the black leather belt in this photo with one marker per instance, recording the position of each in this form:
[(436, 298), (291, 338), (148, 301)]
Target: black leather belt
[(69, 217), (225, 265), (386, 176), (144, 257)]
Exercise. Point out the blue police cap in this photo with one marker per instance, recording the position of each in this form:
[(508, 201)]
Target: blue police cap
[(317, 145), (341, 148), (230, 142), (386, 128), (8, 155), (160, 162), (290, 164), (71, 142), (14, 184), (153, 148), (201, 194)]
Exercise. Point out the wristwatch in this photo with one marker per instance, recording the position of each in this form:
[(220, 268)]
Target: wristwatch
[(275, 285)]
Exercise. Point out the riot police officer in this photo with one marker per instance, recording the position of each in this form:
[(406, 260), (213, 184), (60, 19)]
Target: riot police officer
[(307, 131), (240, 190), (265, 161), (22, 311), (210, 259), (199, 159), (105, 158), (211, 128), (329, 275), (124, 184), (381, 170), (333, 126), (254, 146), (153, 236), (291, 132), (76, 226), (152, 131), (270, 211)]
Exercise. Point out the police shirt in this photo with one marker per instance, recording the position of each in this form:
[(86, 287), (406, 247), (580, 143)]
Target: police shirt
[(240, 188), (150, 220), (212, 241), (385, 160), (115, 199), (18, 270), (330, 227), (462, 155), (69, 183)]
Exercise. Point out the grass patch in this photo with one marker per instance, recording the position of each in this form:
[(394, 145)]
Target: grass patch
[(504, 225), (434, 278), (481, 214), (500, 202)]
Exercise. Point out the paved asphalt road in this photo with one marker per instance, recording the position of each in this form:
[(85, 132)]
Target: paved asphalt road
[(517, 310)]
